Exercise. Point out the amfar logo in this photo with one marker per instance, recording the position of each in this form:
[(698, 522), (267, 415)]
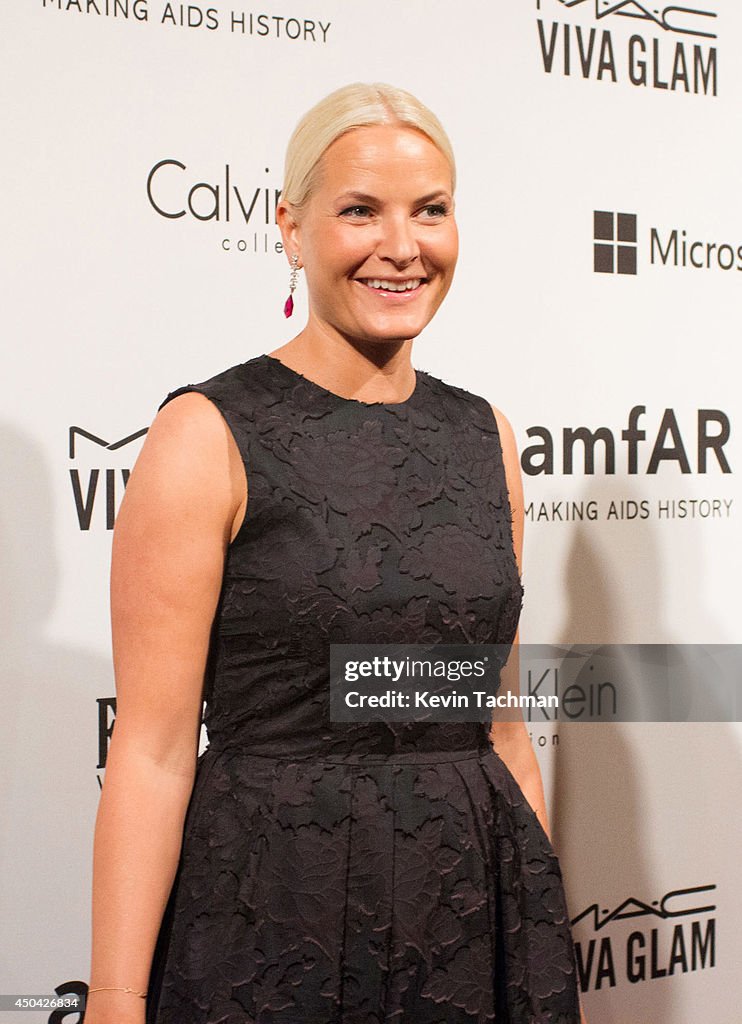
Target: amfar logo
[(86, 493), (657, 62), (655, 948), (665, 444), (615, 247)]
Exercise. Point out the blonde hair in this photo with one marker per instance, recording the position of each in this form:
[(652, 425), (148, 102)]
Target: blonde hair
[(353, 106)]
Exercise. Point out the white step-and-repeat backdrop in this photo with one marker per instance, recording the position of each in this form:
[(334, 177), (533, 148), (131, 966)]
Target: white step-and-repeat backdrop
[(597, 303)]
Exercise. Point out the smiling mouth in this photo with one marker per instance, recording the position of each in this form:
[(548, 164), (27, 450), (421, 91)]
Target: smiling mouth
[(381, 285)]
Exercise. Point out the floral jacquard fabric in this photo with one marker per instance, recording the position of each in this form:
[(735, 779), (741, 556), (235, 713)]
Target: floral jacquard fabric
[(358, 873)]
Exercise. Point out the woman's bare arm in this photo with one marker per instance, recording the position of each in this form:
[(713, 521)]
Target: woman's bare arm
[(510, 737), (184, 502), (508, 733)]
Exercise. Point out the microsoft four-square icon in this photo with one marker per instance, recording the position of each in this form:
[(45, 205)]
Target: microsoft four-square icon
[(615, 245)]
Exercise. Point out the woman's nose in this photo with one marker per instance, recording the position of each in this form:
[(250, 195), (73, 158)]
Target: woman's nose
[(398, 242)]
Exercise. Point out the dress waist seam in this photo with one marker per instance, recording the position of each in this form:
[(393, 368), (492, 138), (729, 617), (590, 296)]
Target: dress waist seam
[(360, 760)]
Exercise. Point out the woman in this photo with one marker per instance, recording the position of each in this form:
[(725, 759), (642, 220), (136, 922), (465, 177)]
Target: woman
[(305, 871)]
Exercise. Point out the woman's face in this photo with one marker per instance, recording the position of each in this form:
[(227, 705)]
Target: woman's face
[(378, 238)]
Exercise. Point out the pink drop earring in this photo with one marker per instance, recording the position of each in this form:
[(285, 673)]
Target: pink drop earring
[(288, 307)]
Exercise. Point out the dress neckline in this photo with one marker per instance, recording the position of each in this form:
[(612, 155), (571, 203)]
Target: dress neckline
[(282, 367)]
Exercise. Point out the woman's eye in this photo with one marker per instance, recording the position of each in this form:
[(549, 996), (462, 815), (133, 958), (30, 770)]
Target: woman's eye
[(436, 210), (433, 211), (356, 211)]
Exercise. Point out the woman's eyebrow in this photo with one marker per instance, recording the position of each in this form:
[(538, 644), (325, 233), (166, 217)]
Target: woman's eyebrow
[(364, 197), (359, 197), (438, 194)]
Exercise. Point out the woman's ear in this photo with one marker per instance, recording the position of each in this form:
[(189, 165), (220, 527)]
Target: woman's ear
[(288, 225)]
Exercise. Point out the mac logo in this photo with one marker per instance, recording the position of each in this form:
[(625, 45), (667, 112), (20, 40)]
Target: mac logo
[(671, 17), (85, 495)]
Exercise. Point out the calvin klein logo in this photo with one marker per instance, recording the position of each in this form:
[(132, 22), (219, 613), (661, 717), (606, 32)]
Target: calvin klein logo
[(614, 242), (173, 194)]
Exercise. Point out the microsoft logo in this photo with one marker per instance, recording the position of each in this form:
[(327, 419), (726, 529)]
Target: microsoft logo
[(614, 242)]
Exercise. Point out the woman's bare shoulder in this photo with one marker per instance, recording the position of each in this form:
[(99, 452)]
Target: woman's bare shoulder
[(189, 417), (189, 465)]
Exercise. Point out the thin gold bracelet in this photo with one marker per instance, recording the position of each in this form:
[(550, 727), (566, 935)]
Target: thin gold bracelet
[(114, 988)]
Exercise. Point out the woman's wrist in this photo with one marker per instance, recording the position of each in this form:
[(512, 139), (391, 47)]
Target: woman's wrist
[(114, 1006), (118, 988)]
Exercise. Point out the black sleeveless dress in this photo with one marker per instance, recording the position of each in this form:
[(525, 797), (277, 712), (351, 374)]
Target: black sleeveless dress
[(348, 873)]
